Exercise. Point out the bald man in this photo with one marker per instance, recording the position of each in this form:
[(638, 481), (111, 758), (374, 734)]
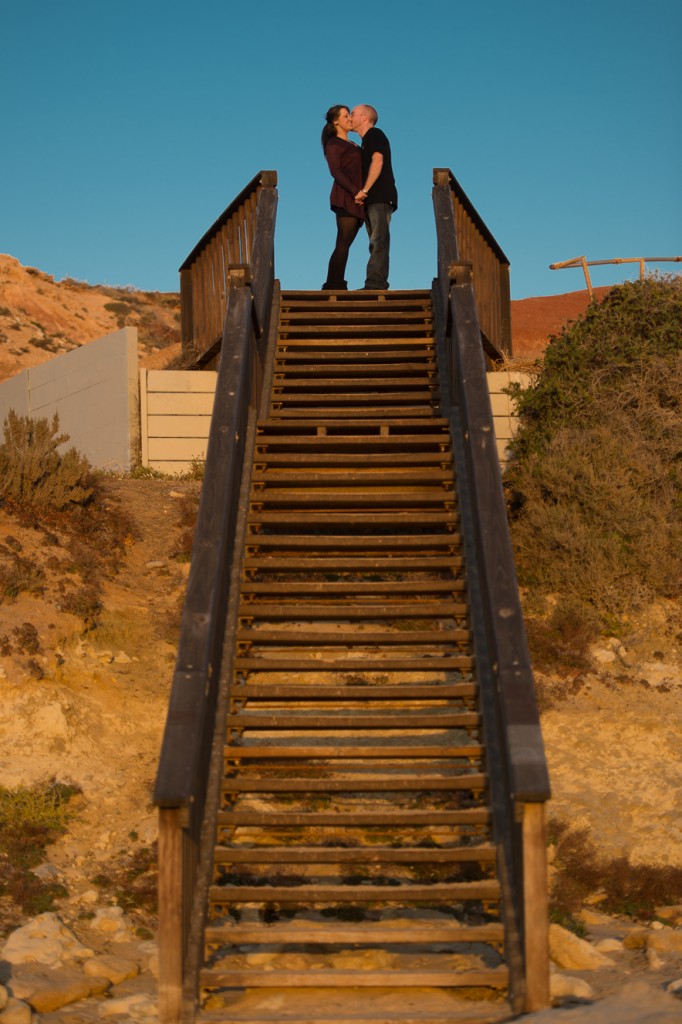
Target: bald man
[(378, 194)]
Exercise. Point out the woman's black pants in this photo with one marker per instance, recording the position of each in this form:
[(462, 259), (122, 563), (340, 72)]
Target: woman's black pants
[(347, 228)]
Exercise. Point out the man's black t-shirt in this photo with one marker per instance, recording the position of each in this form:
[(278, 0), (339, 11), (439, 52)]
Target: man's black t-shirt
[(383, 190)]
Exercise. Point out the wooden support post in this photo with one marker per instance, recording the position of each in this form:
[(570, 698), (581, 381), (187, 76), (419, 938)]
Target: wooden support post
[(536, 911), (171, 938), (186, 309)]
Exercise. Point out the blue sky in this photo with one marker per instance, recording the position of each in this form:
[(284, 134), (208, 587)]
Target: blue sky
[(128, 127)]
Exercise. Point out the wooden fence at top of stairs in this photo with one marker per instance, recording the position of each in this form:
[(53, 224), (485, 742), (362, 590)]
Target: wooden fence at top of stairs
[(352, 781)]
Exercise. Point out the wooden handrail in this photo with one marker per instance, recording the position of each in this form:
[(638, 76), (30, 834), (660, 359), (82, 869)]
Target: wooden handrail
[(475, 243), (518, 770), (205, 274), (186, 779)]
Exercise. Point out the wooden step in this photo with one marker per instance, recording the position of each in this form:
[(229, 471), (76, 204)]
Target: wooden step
[(496, 978), (368, 933), (368, 611), (374, 784), (309, 752), (436, 719), (485, 853), (359, 637), (389, 662), (360, 588), (355, 819), (408, 892), (313, 692)]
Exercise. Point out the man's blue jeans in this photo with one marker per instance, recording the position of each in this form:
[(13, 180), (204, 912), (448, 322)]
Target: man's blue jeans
[(378, 219)]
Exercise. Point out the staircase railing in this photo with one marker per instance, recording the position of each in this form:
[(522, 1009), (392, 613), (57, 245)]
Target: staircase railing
[(490, 268), (205, 274), (517, 766), (188, 779)]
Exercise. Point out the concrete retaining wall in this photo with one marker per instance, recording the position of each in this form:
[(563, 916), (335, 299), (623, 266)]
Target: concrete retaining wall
[(94, 390)]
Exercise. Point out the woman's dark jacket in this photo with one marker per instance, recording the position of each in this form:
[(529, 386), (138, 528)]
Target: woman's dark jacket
[(345, 164)]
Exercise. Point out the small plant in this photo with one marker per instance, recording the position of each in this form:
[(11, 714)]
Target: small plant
[(579, 872), (132, 883), (30, 819), (33, 472)]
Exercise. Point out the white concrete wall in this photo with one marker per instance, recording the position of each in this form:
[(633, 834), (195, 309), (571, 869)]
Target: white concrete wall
[(94, 390)]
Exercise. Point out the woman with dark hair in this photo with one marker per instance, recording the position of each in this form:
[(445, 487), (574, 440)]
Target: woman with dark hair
[(343, 157)]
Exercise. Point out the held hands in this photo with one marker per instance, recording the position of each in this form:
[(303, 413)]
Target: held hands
[(360, 197)]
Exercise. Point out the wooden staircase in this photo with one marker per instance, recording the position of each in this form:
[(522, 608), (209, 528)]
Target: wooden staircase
[(354, 869)]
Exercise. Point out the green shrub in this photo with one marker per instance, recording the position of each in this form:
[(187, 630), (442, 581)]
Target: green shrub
[(31, 817), (594, 484), (34, 473)]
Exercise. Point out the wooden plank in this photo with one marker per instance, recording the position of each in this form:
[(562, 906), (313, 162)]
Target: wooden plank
[(488, 889), (496, 978), (371, 610), (535, 907), (398, 818), (388, 662), (177, 449), (144, 419), (358, 636), (327, 691), (370, 784), (179, 404), (170, 888), (410, 721), (445, 751), (183, 381), (485, 853), (366, 934), (178, 426)]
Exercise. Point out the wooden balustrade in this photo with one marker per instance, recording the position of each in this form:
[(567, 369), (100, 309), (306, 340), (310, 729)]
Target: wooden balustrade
[(187, 784), (490, 274), (205, 274), (518, 770)]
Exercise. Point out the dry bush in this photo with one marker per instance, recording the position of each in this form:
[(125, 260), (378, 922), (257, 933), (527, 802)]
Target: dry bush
[(580, 873), (33, 472)]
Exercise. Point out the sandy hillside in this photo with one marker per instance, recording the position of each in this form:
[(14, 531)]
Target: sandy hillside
[(41, 318)]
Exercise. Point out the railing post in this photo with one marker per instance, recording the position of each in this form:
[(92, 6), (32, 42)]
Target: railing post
[(536, 909), (171, 932), (186, 309)]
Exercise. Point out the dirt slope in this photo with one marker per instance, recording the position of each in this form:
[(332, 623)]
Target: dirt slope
[(41, 318)]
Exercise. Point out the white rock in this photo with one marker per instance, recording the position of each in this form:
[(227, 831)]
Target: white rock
[(89, 896), (115, 968), (135, 1006), (609, 946), (572, 953), (110, 921), (44, 940), (563, 986), (122, 658), (654, 960), (675, 987)]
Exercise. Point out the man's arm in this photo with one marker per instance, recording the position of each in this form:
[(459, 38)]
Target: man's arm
[(373, 173)]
